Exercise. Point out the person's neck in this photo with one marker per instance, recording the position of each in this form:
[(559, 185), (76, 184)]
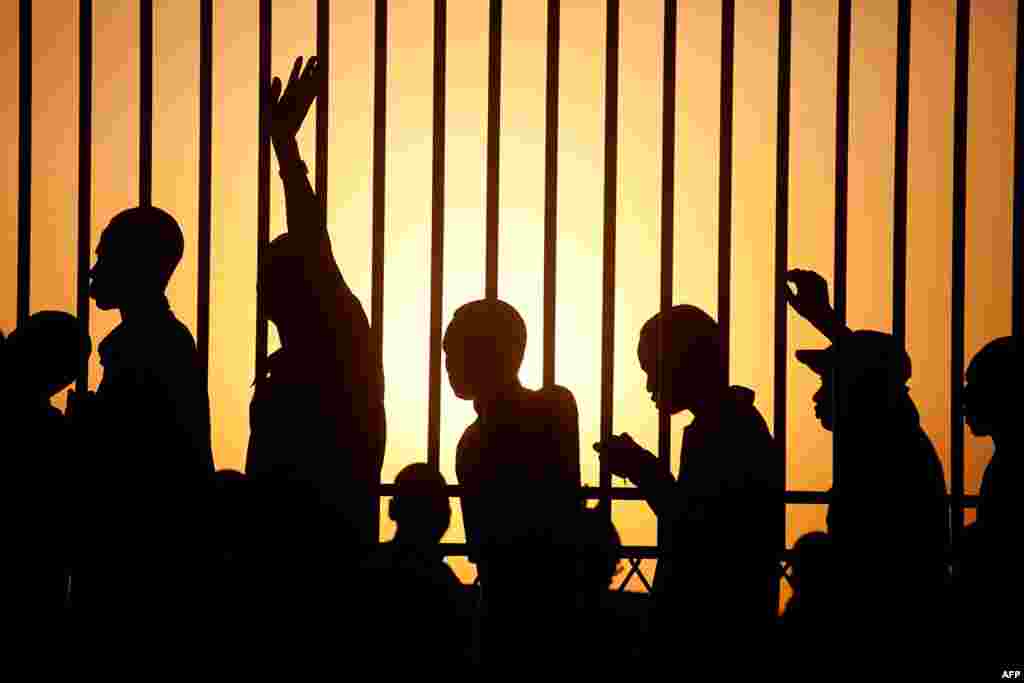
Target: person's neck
[(143, 305), (484, 405), (709, 407), (419, 542)]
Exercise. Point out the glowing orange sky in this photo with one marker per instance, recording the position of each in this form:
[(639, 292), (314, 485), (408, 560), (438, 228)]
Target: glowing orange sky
[(521, 213)]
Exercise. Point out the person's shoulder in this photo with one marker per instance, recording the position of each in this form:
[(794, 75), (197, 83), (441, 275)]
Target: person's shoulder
[(381, 559), (467, 450), (166, 337), (557, 400), (744, 416)]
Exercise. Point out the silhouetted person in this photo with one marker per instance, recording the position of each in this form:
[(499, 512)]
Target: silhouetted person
[(811, 608), (598, 629), (990, 571), (416, 605), (317, 420), (717, 575), (518, 463), (888, 507), (40, 359), (146, 428)]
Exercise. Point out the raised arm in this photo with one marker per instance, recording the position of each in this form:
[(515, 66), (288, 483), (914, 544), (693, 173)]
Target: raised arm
[(287, 112), (810, 300)]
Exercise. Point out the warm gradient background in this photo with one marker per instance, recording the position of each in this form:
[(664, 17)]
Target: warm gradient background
[(406, 297)]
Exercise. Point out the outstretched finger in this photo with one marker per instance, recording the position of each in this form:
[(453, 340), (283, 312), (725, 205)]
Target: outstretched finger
[(275, 90), (311, 64), (296, 70)]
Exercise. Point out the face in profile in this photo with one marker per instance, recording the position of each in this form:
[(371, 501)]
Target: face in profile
[(974, 407), (675, 396), (823, 409), (457, 366), (108, 277)]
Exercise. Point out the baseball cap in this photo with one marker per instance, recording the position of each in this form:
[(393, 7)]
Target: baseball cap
[(864, 352)]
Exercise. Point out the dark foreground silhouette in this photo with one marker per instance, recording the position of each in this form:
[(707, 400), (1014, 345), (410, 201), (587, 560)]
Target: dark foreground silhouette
[(283, 561), (717, 581)]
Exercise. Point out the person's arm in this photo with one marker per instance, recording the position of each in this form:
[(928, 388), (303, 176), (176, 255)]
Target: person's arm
[(288, 111), (567, 428), (810, 300), (467, 501), (625, 458)]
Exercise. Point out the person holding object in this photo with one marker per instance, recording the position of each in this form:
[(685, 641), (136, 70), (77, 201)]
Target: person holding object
[(716, 585)]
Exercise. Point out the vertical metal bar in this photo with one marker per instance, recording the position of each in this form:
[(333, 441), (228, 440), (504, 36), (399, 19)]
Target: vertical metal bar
[(841, 183), (380, 75), (493, 158), (145, 102), (611, 162), (323, 52), (963, 32), (1018, 179), (205, 181), (551, 189), (842, 154), (263, 180), (84, 180), (782, 232), (24, 158), (437, 233), (668, 163), (899, 221), (725, 178)]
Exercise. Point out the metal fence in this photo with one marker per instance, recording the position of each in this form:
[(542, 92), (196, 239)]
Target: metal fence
[(605, 490)]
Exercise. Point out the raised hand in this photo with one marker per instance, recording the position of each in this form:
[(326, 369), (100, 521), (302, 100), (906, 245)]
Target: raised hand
[(288, 110), (810, 300)]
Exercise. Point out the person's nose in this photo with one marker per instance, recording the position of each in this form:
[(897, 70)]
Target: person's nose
[(650, 381)]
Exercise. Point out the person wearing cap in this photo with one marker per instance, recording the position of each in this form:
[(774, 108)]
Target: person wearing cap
[(989, 573), (887, 506), (717, 575), (518, 465)]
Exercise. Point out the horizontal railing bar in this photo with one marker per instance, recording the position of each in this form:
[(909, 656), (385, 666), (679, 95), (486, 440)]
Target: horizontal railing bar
[(627, 493)]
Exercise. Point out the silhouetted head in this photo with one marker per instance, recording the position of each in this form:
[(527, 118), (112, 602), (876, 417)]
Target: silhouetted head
[(990, 394), (873, 369), (136, 256), (600, 548), (43, 353), (812, 562), (284, 286), (484, 347), (692, 355), (420, 506)]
